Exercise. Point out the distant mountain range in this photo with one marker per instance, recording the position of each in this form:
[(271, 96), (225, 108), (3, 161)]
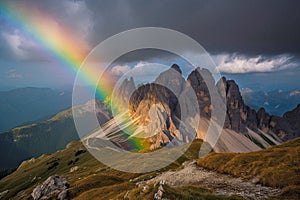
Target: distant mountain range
[(276, 102), (25, 106), (29, 105), (45, 137)]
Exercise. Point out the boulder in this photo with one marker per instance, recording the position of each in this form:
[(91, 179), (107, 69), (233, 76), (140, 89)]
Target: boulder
[(3, 194), (52, 186)]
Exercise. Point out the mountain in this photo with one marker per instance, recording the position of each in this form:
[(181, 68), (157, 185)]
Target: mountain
[(45, 137), (27, 105), (242, 118), (276, 102), (155, 107)]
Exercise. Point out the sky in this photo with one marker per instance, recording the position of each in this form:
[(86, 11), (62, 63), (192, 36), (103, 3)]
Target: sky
[(255, 42)]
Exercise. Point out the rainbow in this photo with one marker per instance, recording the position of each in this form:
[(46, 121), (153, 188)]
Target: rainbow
[(61, 44)]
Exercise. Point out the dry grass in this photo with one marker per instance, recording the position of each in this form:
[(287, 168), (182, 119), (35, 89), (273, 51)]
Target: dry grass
[(277, 166)]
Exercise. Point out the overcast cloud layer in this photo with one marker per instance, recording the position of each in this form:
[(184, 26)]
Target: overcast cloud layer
[(243, 36), (258, 27)]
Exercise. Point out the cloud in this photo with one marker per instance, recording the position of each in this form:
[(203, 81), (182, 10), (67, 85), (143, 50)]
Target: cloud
[(119, 70), (242, 64), (142, 72), (238, 26), (217, 28), (21, 47), (58, 18), (225, 63), (16, 43), (77, 16), (13, 74), (138, 69)]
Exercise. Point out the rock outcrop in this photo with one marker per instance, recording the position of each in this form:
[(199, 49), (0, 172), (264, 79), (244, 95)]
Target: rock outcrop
[(3, 194), (53, 186), (240, 117), (199, 85)]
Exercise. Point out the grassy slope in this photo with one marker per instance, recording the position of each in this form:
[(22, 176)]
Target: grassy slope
[(277, 166), (92, 179), (29, 141)]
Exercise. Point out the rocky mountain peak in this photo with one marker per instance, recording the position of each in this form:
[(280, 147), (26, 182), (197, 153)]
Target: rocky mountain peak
[(172, 79), (177, 68), (199, 85), (235, 107), (233, 92)]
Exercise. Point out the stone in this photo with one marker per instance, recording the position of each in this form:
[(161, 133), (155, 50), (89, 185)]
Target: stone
[(3, 194), (63, 195), (53, 185), (74, 169)]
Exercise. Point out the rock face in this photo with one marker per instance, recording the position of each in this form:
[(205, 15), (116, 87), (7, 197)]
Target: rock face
[(263, 119), (240, 116), (199, 85), (54, 185), (156, 108), (288, 126), (293, 118)]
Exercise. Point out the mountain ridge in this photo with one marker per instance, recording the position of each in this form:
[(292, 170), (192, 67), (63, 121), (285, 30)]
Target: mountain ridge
[(24, 105), (260, 127)]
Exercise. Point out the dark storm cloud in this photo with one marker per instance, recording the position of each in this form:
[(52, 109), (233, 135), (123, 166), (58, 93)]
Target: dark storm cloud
[(255, 32), (268, 27), (259, 27)]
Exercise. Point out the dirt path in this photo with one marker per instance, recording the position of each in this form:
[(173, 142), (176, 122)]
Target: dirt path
[(221, 184)]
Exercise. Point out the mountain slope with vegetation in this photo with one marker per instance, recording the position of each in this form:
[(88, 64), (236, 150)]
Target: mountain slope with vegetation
[(29, 141), (90, 174), (89, 179), (27, 105)]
